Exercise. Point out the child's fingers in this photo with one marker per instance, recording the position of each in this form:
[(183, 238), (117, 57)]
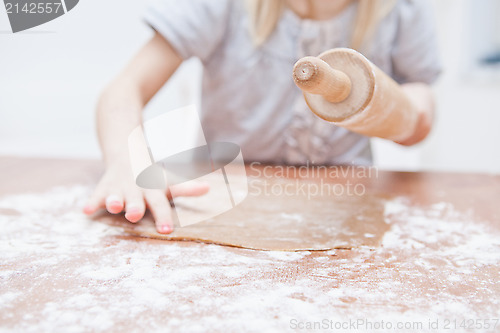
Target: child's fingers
[(95, 202), (134, 205), (114, 203), (161, 210), (191, 189)]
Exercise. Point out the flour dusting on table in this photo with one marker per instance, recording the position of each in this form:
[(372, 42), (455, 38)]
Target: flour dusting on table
[(62, 272)]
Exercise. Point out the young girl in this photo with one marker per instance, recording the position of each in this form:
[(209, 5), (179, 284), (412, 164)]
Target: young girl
[(248, 50)]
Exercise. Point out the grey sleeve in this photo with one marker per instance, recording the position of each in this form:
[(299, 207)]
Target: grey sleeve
[(415, 56), (194, 28)]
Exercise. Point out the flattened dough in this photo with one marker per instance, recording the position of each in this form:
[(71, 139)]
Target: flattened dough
[(272, 219)]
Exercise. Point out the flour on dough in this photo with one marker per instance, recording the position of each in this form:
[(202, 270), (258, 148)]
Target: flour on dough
[(278, 214)]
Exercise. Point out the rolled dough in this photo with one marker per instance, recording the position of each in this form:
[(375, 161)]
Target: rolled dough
[(278, 214)]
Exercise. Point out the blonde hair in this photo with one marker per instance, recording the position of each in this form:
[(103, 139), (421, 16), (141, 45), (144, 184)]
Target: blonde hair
[(265, 14)]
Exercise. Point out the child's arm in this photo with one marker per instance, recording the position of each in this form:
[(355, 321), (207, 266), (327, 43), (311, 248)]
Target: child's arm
[(119, 111), (420, 94)]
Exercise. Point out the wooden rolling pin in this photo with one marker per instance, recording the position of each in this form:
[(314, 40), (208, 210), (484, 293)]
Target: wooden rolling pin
[(343, 87)]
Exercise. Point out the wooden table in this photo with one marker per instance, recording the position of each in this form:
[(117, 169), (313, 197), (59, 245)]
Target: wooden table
[(437, 267)]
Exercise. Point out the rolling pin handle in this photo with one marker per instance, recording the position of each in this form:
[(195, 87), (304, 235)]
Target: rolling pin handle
[(315, 76)]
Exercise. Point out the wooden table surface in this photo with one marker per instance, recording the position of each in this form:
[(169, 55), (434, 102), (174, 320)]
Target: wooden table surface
[(437, 268)]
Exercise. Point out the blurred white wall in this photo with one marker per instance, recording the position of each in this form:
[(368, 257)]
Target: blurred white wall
[(50, 78)]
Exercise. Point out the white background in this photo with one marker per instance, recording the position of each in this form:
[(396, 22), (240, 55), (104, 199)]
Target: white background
[(51, 76)]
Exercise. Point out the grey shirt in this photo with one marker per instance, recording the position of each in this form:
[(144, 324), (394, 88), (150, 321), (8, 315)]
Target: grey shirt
[(248, 94)]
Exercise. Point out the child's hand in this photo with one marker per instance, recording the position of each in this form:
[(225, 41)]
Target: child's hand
[(117, 192), (420, 94), (118, 113)]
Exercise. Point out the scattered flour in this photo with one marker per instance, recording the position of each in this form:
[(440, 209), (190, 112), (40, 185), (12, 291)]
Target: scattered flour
[(61, 272)]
